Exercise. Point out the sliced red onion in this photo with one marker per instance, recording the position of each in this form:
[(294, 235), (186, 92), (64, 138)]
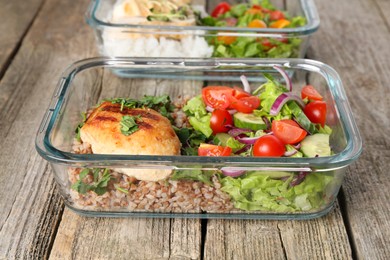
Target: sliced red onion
[(210, 109), (245, 83), (227, 171), (267, 122), (297, 146), (285, 76), (232, 111), (281, 100), (231, 21), (237, 131), (248, 140), (244, 149), (290, 153), (298, 179)]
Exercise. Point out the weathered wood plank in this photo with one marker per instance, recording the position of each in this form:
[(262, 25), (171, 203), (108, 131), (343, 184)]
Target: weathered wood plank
[(16, 18), (323, 238), (30, 206), (358, 49)]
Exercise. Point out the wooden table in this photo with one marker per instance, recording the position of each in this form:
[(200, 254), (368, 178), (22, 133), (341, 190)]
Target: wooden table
[(40, 38)]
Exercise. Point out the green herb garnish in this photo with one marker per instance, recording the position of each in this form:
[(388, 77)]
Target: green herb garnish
[(161, 104), (99, 184), (79, 126), (129, 124)]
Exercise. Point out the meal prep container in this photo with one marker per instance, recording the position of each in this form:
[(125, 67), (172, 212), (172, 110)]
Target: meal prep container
[(134, 40), (86, 83)]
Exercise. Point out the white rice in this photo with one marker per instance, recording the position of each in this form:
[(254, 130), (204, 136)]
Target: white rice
[(117, 45)]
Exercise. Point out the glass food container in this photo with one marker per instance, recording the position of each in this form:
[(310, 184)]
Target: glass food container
[(193, 186), (122, 32)]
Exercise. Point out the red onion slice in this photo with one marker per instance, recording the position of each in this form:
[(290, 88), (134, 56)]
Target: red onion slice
[(209, 109), (247, 140), (290, 153), (237, 131), (285, 76), (281, 100), (231, 111), (228, 171), (245, 83)]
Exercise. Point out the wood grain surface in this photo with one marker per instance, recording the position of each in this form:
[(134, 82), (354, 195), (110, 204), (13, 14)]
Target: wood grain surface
[(17, 17), (45, 36)]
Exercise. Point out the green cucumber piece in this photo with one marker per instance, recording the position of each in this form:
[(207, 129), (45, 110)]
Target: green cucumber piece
[(317, 144), (301, 118), (249, 121), (221, 139)]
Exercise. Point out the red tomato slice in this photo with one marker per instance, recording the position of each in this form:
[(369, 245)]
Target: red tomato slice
[(219, 120), (240, 93), (316, 112), (245, 104), (213, 150), (310, 93), (217, 97), (268, 146), (220, 9), (288, 131), (276, 15)]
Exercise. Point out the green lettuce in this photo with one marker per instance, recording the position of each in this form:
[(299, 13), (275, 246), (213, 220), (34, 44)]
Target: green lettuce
[(258, 191)]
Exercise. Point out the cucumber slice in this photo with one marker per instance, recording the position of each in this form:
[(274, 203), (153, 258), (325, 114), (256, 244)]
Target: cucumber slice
[(221, 139), (317, 144), (301, 118), (249, 121)]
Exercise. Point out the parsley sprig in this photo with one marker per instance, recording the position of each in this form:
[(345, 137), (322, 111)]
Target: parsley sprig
[(79, 126), (129, 124), (99, 184), (161, 104)]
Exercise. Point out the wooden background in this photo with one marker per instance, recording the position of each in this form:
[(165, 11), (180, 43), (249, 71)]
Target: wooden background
[(40, 38)]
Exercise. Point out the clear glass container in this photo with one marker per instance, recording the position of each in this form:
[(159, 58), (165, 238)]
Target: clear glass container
[(131, 38), (88, 82)]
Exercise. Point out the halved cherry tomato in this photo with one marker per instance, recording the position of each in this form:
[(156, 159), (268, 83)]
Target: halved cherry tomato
[(217, 97), (268, 146), (276, 15), (316, 112), (213, 150), (245, 104), (219, 120), (310, 93), (240, 93), (267, 45), (281, 23), (220, 9), (226, 39), (257, 23), (288, 131)]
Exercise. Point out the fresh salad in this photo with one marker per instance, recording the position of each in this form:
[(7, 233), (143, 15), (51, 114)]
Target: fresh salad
[(233, 121), (255, 14)]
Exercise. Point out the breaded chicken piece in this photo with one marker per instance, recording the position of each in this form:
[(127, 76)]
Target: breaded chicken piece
[(155, 136)]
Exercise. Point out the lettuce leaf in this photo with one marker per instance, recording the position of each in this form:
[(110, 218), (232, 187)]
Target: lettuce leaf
[(258, 191)]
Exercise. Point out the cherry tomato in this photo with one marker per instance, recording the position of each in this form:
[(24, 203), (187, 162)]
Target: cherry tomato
[(316, 112), (240, 93), (288, 131), (276, 15), (219, 119), (213, 150), (220, 9), (280, 24), (268, 146), (245, 104), (257, 23), (310, 93), (217, 97), (267, 45)]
